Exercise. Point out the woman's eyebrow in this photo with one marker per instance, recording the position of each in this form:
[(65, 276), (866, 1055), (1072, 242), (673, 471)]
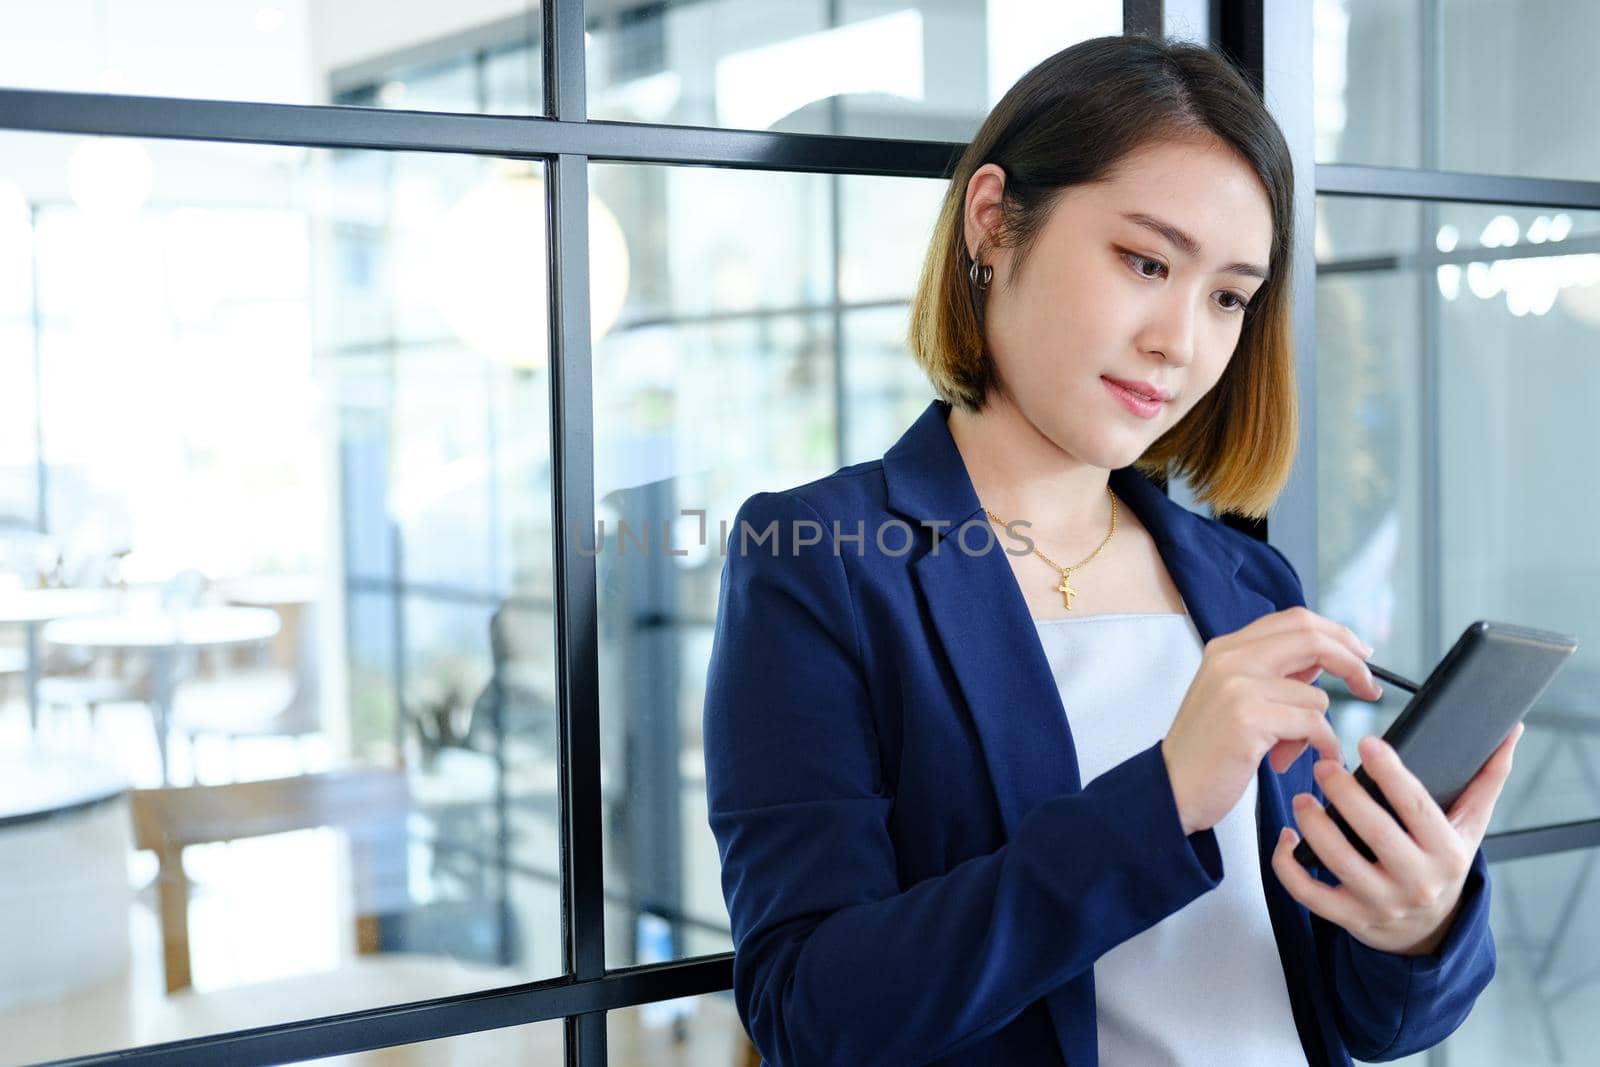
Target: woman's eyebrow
[(1188, 245)]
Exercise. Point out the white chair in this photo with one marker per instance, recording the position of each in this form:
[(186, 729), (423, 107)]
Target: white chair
[(13, 661), (270, 699), (79, 678)]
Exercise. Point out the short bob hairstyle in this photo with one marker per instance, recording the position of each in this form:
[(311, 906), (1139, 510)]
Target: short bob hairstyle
[(1070, 121)]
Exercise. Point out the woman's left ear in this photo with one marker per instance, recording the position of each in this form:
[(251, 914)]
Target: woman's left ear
[(985, 189)]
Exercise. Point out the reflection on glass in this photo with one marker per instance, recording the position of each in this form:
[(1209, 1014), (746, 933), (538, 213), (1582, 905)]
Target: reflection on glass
[(1369, 573), (413, 55), (276, 633), (1510, 90), (749, 404), (1517, 399), (915, 69), (1541, 1008), (886, 388), (1545, 233), (713, 266), (1353, 229), (19, 495), (1512, 101), (1365, 63), (18, 492), (688, 1031), (747, 372), (927, 69), (1510, 305), (884, 228)]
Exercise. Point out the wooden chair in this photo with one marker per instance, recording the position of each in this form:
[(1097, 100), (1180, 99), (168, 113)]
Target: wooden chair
[(370, 805)]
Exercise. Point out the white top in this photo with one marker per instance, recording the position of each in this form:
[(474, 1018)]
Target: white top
[(1205, 985)]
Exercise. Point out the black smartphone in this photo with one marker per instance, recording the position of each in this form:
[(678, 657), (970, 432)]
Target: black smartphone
[(1478, 692)]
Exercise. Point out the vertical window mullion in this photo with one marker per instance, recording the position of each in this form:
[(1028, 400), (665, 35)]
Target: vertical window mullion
[(572, 473)]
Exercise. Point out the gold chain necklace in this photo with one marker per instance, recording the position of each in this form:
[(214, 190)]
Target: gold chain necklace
[(1065, 588)]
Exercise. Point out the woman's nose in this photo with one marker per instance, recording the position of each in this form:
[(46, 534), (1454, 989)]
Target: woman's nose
[(1171, 331)]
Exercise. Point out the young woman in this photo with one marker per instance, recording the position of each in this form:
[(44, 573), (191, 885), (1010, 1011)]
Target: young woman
[(1006, 751)]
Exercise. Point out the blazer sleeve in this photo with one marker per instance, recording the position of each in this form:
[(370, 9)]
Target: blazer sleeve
[(1388, 1005), (835, 961)]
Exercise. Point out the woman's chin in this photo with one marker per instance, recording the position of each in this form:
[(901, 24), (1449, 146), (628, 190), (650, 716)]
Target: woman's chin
[(1108, 445), (1114, 451)]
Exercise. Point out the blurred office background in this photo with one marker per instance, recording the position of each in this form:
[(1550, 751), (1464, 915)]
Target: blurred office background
[(280, 699)]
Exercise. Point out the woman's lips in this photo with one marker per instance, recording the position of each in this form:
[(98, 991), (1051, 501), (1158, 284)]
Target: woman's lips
[(1141, 406)]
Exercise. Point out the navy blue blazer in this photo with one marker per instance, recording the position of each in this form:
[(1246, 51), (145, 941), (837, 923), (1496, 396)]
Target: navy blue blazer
[(914, 872)]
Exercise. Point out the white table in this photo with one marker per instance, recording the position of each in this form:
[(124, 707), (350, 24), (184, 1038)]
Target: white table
[(163, 634), (270, 590), (30, 607)]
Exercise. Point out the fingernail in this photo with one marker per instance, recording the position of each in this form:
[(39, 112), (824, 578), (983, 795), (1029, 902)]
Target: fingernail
[(1321, 769), (1367, 650)]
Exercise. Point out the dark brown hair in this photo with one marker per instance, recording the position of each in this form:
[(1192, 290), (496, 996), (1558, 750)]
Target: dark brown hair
[(1070, 121)]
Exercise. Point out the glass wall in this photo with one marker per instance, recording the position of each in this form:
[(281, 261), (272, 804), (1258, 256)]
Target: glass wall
[(726, 374), (1454, 390), (923, 69), (278, 691), (688, 1030), (1543, 1007), (278, 727), (406, 54), (927, 69), (1508, 82), (1455, 431)]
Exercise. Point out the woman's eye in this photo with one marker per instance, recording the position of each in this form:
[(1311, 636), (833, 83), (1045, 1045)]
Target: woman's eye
[(1146, 267), (1140, 264)]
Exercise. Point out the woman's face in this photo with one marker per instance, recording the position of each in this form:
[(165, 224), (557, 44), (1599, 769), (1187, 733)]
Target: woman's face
[(1142, 278)]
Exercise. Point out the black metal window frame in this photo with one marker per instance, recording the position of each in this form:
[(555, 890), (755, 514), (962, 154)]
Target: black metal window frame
[(566, 141)]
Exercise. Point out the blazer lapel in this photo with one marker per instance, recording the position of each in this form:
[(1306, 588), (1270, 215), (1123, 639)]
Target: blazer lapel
[(984, 624)]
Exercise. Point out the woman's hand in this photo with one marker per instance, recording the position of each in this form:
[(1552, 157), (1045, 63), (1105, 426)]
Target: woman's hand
[(1252, 696), (1407, 900)]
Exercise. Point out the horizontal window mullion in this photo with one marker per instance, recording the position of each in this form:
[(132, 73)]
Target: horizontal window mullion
[(346, 127), (1398, 183), (1542, 841), (323, 126), (362, 1031), (1586, 245)]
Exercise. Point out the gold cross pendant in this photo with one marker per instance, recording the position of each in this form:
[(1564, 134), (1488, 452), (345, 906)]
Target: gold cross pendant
[(1066, 590)]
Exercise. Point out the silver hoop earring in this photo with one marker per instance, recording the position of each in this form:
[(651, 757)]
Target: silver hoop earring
[(980, 274)]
